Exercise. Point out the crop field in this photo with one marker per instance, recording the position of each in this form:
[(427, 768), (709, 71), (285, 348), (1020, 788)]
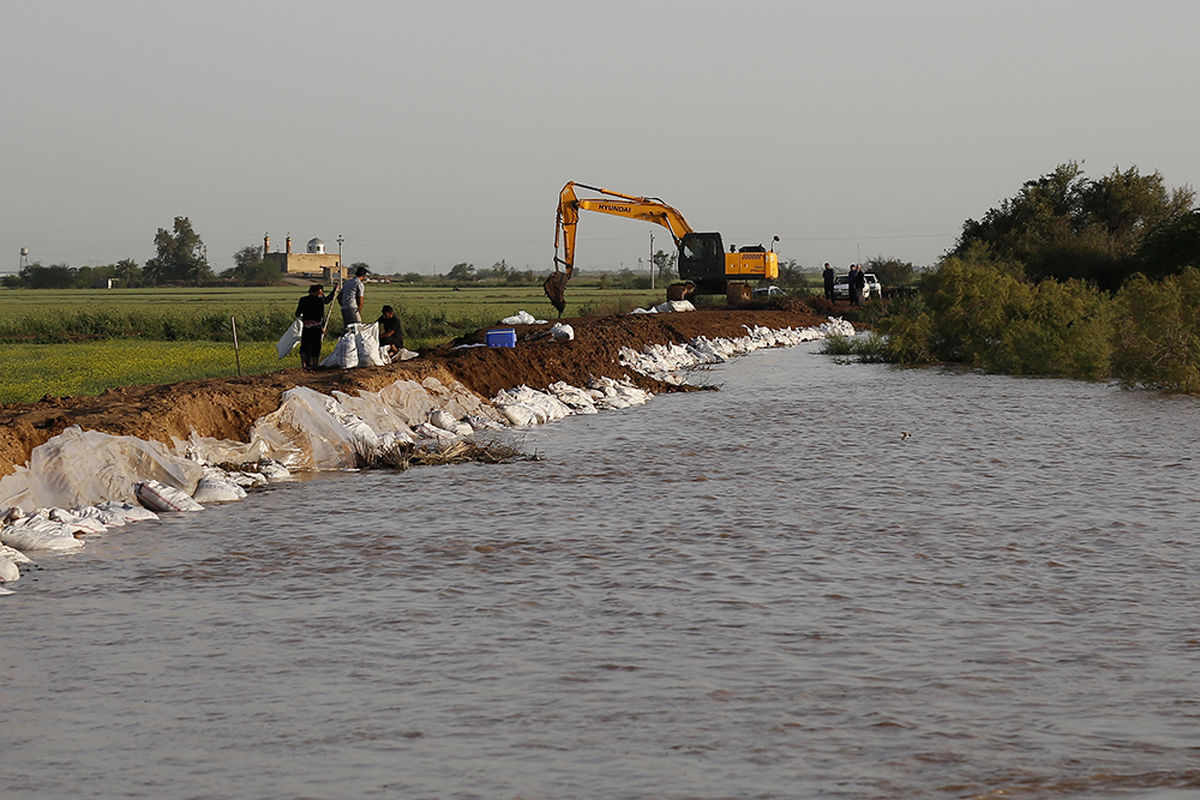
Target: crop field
[(83, 341), (31, 371)]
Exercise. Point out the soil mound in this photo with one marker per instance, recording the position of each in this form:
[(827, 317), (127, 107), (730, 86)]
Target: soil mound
[(226, 408)]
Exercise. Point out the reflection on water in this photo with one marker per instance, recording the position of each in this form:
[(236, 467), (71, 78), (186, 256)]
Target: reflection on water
[(767, 591)]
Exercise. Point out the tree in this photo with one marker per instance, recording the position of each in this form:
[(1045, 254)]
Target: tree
[(664, 266), (180, 255), (55, 276), (891, 271), (461, 272), (128, 272), (1064, 226), (1171, 246), (250, 268)]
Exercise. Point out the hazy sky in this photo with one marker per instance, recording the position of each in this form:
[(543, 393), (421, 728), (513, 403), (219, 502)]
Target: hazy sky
[(432, 133)]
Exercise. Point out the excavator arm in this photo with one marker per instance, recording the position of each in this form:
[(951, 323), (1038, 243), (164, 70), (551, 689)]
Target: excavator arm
[(648, 209)]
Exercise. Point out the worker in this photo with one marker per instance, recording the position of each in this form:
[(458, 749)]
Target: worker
[(827, 276), (311, 311), (351, 298), (391, 331)]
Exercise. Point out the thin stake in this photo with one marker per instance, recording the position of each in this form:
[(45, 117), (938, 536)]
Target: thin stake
[(237, 353)]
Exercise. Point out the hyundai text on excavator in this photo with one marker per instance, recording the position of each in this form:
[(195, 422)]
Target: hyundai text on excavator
[(704, 266)]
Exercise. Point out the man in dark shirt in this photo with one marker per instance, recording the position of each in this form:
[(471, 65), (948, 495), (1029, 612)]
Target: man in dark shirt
[(311, 311), (391, 331)]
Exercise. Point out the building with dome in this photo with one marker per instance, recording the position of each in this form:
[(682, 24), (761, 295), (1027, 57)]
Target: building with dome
[(312, 264)]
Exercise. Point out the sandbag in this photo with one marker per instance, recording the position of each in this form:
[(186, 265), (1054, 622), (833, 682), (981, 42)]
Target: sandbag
[(38, 533), (78, 523), (130, 512), (211, 489), (8, 571), (290, 338), (157, 496)]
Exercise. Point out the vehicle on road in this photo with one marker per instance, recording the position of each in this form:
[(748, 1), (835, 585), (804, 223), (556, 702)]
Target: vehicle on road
[(769, 291), (871, 288)]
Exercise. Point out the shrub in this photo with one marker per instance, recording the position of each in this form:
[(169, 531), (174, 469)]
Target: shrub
[(1157, 332)]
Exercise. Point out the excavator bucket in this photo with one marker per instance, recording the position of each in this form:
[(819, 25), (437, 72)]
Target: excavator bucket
[(555, 288)]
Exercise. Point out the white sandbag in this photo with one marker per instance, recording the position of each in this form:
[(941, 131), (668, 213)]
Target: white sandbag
[(674, 306), (578, 399), (78, 523), (562, 332), (446, 421), (38, 533), (78, 467), (8, 571), (366, 339), (290, 338), (517, 415), (248, 480), (106, 517), (522, 317), (14, 555), (274, 471), (357, 347), (159, 497), (131, 512), (345, 353), (404, 354), (211, 489), (427, 431)]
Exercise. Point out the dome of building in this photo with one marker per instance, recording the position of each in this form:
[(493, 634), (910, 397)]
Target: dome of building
[(315, 245)]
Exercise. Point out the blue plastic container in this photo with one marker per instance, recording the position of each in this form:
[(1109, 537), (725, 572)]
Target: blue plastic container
[(501, 337)]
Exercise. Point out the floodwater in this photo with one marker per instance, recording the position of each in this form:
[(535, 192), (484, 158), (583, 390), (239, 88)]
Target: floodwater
[(769, 591)]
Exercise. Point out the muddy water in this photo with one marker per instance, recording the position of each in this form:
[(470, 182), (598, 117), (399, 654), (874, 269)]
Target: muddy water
[(765, 592)]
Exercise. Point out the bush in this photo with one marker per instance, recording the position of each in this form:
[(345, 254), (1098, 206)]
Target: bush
[(1157, 332), (982, 313)]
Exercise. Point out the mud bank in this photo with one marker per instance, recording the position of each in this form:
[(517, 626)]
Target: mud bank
[(82, 481), (227, 408)]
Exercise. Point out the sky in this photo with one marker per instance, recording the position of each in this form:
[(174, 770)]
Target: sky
[(428, 134)]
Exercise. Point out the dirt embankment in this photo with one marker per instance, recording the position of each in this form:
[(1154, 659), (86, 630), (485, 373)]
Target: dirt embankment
[(226, 408)]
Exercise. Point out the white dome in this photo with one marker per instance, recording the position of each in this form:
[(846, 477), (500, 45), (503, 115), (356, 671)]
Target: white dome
[(315, 245)]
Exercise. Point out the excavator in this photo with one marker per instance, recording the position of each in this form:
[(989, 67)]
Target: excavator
[(704, 266)]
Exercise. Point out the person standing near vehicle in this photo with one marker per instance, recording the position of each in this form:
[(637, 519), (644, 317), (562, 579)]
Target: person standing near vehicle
[(311, 311), (860, 280), (827, 275), (351, 298)]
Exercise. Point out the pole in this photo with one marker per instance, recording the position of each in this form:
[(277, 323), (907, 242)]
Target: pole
[(237, 353), (652, 261)]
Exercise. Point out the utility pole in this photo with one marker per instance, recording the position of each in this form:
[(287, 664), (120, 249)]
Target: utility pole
[(341, 267), (652, 264)]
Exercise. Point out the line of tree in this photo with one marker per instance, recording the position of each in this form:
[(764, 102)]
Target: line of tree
[(1076, 277), (1103, 230)]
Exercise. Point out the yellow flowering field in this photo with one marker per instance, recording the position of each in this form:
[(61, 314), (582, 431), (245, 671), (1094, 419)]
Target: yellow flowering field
[(30, 371)]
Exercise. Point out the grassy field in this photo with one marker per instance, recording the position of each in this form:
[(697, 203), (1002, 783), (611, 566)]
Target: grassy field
[(81, 342)]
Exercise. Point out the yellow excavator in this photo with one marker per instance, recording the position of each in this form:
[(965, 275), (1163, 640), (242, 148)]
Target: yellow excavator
[(704, 266)]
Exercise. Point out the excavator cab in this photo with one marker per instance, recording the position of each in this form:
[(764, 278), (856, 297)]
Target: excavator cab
[(702, 261)]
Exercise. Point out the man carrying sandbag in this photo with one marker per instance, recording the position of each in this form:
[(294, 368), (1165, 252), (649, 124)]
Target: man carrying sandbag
[(311, 311)]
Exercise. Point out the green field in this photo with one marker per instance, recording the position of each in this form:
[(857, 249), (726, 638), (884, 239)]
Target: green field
[(83, 341)]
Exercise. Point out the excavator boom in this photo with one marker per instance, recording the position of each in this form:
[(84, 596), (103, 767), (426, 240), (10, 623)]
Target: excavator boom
[(648, 209), (704, 266)]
